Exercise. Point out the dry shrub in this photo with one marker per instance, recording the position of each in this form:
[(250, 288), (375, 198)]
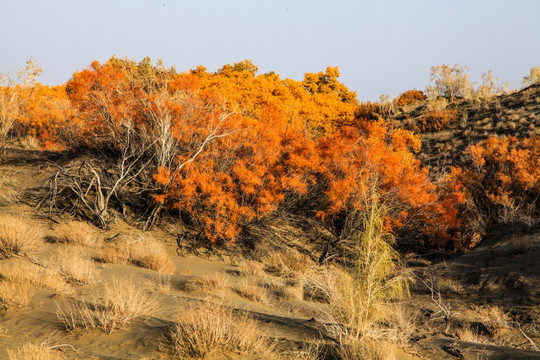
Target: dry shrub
[(446, 285), (76, 266), (504, 179), (400, 324), (18, 237), (366, 348), (363, 348), (467, 333), (410, 97), (493, 318), (115, 254), (29, 142), (76, 232), (15, 296), (435, 120), (160, 282), (8, 194), (252, 268), (34, 352), (211, 327), (533, 77), (27, 273), (143, 251), (287, 263), (119, 304), (252, 292), (293, 289), (213, 282)]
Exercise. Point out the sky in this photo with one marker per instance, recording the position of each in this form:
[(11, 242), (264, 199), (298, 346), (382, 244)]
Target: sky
[(380, 47)]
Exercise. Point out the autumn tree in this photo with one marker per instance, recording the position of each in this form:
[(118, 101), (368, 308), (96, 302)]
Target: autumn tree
[(14, 94), (504, 178)]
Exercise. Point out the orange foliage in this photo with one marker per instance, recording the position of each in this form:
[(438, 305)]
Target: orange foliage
[(47, 115), (410, 97), (435, 120), (505, 177), (230, 147)]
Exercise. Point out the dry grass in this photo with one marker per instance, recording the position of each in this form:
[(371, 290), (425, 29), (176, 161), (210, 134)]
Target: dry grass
[(34, 352), (446, 285), (252, 268), (252, 292), (366, 348), (212, 327), (30, 142), (118, 305), (27, 273), (18, 237), (287, 263), (76, 266), (143, 251), (209, 283), (493, 317), (348, 349), (8, 194), (159, 282), (15, 296), (466, 333), (76, 232)]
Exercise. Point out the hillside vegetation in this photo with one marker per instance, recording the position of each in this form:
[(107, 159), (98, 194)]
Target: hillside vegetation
[(247, 199)]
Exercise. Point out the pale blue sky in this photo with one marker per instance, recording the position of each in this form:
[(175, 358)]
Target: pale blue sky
[(380, 47)]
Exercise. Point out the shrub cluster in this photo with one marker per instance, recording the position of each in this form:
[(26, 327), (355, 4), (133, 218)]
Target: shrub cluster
[(410, 97), (228, 148)]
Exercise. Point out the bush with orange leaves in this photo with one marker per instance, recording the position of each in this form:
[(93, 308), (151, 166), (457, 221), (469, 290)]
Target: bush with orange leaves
[(228, 148), (355, 158), (504, 179), (435, 120), (410, 97)]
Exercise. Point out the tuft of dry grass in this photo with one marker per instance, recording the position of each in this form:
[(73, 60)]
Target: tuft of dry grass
[(18, 237), (76, 266), (76, 232), (27, 273), (15, 296), (119, 304), (143, 251), (251, 267), (212, 327), (467, 333), (287, 263), (250, 291), (212, 282), (493, 317), (34, 352), (159, 282), (8, 194), (363, 348)]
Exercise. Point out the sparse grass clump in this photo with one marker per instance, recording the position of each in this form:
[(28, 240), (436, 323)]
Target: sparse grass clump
[(76, 266), (253, 292), (364, 348), (118, 305), (287, 263), (34, 352), (251, 267), (76, 232), (212, 327), (15, 296), (21, 273), (212, 282), (143, 251), (18, 237)]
